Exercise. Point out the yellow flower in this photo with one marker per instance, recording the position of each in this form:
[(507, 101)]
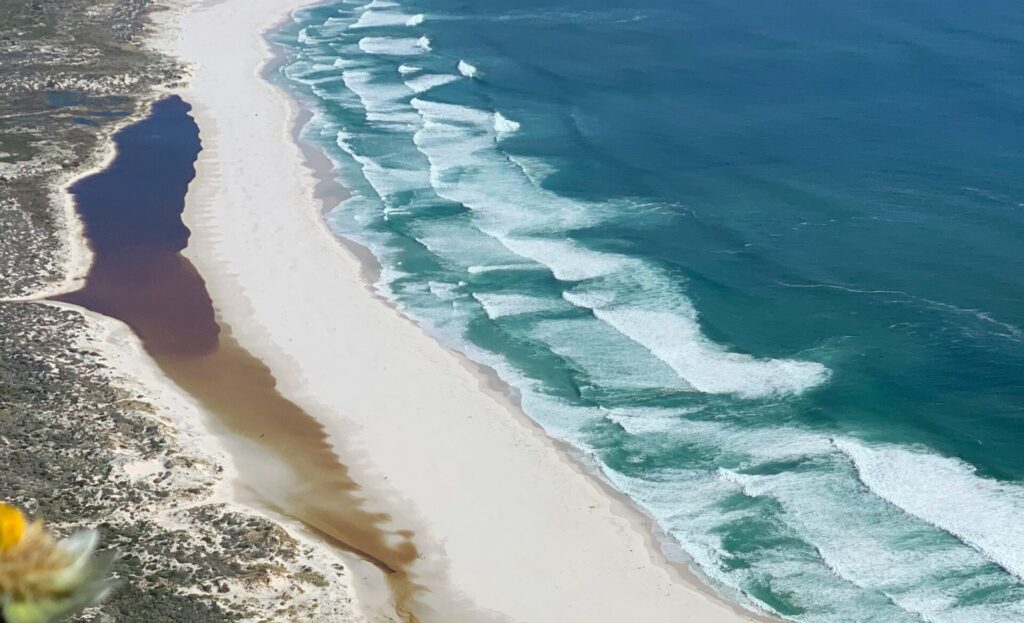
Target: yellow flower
[(41, 578), (12, 526)]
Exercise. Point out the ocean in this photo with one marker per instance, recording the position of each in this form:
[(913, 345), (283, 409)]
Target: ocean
[(759, 263)]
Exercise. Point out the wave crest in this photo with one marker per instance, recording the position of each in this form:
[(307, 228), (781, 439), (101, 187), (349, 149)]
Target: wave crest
[(467, 70), (504, 125), (986, 514)]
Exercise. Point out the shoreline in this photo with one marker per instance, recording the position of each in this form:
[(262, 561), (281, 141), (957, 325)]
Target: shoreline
[(196, 431), (198, 436), (213, 471), (176, 325), (328, 190), (193, 442), (75, 256), (258, 300)]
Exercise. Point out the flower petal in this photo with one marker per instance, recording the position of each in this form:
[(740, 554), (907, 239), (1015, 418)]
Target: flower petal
[(77, 548), (12, 526)]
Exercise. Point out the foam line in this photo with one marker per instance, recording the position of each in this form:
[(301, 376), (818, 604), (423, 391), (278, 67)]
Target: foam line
[(504, 125), (380, 19), (425, 82), (383, 102), (394, 46), (987, 513), (675, 338), (459, 142), (467, 70), (505, 305)]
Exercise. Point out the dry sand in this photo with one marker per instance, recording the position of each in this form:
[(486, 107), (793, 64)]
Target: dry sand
[(507, 527)]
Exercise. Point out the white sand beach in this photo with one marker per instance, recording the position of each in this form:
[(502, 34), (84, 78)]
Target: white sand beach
[(507, 526)]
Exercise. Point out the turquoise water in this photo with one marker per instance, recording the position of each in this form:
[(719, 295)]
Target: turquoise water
[(761, 263)]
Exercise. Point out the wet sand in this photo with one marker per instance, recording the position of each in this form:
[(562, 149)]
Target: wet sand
[(131, 212), (506, 526)]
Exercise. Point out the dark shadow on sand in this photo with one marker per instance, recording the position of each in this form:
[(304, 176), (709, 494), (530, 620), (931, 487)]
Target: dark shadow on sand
[(131, 212)]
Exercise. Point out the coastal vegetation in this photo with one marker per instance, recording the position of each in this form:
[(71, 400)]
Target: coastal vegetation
[(82, 443)]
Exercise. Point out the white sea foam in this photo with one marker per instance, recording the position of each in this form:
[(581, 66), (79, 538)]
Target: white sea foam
[(561, 420), (330, 30), (690, 505), (382, 101), (461, 119), (605, 358), (342, 97), (425, 82), (537, 169), (477, 269), (415, 20), (568, 261), (839, 536), (311, 72), (504, 305), (387, 181), (356, 208), (455, 140), (641, 421), (465, 167), (394, 46), (862, 538), (443, 290), (459, 141), (303, 69), (694, 505), (459, 244), (467, 70), (503, 125), (380, 19), (378, 4), (872, 563), (349, 217), (675, 338), (985, 513)]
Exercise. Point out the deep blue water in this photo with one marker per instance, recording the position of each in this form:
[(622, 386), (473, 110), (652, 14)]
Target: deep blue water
[(760, 261)]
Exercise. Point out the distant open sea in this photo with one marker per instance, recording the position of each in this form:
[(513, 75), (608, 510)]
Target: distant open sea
[(762, 262)]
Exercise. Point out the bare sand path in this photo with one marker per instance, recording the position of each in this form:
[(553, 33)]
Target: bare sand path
[(507, 528)]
